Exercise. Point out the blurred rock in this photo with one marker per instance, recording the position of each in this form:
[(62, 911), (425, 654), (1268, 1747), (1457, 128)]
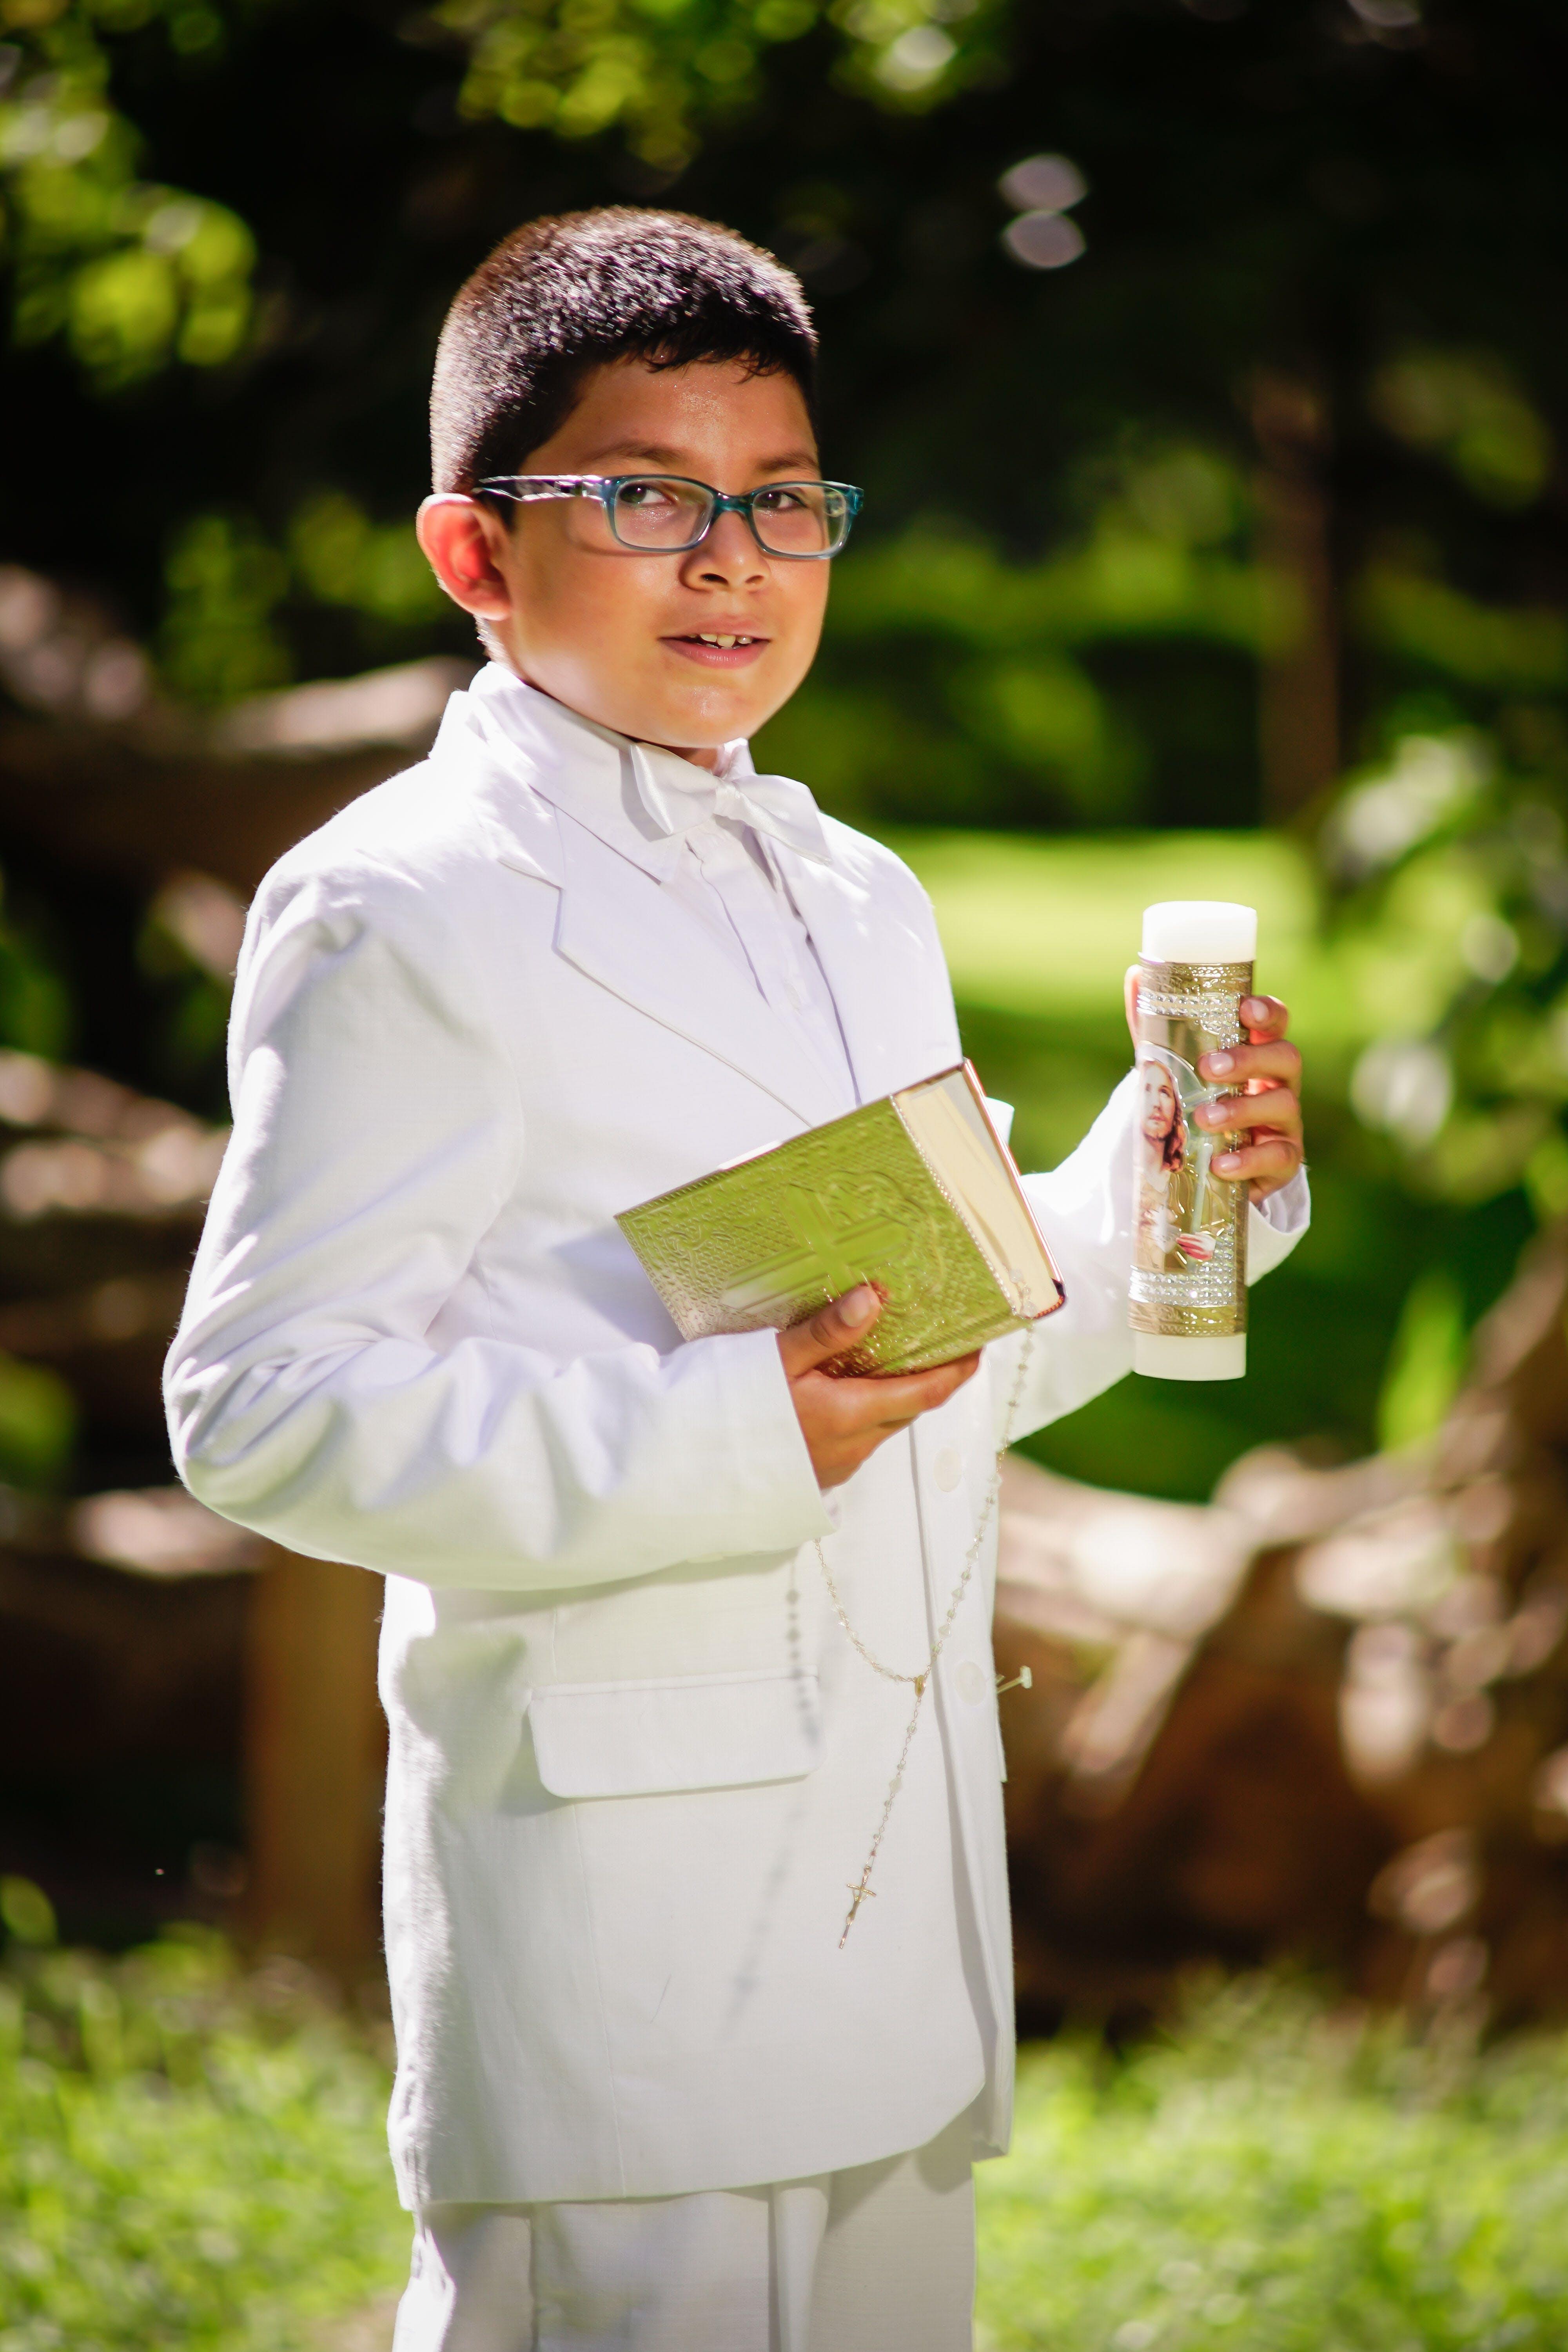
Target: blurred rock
[(1325, 1715), (98, 773)]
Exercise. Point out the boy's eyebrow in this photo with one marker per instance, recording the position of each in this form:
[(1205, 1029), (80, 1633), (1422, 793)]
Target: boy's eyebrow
[(671, 461)]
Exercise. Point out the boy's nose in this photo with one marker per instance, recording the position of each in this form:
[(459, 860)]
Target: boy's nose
[(729, 554)]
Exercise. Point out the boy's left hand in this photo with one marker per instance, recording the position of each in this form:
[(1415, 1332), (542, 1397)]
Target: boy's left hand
[(1266, 1071)]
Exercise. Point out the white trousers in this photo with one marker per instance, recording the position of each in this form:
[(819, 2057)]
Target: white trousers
[(878, 2259)]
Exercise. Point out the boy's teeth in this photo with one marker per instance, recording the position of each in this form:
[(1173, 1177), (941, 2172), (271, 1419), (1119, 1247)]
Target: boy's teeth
[(704, 638)]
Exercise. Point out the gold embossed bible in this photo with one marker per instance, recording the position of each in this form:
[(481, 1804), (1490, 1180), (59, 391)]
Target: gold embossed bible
[(916, 1193)]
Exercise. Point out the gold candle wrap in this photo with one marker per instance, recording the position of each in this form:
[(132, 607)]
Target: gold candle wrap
[(1189, 1226)]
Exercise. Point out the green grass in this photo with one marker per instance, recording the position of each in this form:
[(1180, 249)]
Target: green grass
[(1273, 2179), (1034, 923), (189, 2157), (1042, 924), (193, 2161)]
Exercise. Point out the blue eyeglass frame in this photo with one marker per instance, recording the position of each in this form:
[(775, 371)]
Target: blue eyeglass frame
[(525, 489)]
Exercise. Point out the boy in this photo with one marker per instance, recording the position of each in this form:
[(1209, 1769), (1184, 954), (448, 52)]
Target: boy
[(650, 2092)]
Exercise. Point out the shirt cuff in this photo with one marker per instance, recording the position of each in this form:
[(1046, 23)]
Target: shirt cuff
[(771, 1435), (1276, 1225)]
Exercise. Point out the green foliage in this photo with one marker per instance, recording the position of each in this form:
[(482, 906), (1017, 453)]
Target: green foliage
[(1426, 1361), (1468, 408), (228, 584), (26, 1912), (35, 1003), (1405, 611), (954, 682), (1272, 2176), (663, 72), (1062, 618), (224, 584), (193, 2160), (341, 557), (190, 2160), (37, 1424), (132, 274), (1459, 842)]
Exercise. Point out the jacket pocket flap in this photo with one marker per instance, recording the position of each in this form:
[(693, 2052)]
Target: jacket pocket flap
[(700, 1731)]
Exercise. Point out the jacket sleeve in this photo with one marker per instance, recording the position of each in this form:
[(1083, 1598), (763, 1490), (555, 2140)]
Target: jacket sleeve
[(1085, 1210), (377, 1133)]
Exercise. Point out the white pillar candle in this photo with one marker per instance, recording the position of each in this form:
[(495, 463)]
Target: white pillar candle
[(1199, 930)]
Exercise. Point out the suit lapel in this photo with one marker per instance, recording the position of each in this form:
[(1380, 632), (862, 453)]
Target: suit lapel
[(888, 977), (618, 927)]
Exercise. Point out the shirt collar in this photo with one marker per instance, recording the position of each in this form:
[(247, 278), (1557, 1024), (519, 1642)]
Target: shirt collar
[(585, 769)]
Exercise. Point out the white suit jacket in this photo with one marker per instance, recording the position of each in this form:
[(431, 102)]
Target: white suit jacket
[(635, 1765)]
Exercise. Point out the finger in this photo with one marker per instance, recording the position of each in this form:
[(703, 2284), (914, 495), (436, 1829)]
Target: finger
[(1130, 998), (829, 1331), (855, 1412), (923, 1391), (1265, 1016), (1241, 1065), (892, 1403), (891, 1400), (1275, 1157), (1275, 1107)]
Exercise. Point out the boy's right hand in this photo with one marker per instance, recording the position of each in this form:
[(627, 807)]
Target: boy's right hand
[(843, 1421)]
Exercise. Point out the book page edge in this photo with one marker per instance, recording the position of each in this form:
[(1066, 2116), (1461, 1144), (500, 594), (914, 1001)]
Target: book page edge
[(966, 1070)]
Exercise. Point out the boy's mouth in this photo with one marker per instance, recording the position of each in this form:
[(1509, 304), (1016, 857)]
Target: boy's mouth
[(719, 648)]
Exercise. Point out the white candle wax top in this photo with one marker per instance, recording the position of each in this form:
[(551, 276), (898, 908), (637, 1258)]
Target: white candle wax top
[(1200, 930)]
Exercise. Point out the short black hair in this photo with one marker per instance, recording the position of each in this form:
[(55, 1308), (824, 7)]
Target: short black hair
[(563, 295)]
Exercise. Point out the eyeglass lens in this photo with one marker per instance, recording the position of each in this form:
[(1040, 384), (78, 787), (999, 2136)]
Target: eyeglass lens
[(657, 510)]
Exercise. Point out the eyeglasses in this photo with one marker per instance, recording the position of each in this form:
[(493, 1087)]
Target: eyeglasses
[(665, 514)]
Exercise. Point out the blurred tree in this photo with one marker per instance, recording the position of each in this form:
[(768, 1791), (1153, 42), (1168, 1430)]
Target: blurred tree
[(1459, 838), (129, 272), (1311, 327), (1205, 364), (663, 72)]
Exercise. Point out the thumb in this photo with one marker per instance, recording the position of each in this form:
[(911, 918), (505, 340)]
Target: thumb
[(830, 1330)]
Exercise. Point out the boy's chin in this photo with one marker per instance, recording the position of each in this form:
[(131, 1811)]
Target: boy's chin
[(704, 722)]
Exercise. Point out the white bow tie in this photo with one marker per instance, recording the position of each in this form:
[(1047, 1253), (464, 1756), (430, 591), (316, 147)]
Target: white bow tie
[(677, 796)]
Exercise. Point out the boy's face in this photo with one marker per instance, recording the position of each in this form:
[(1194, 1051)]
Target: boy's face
[(618, 636)]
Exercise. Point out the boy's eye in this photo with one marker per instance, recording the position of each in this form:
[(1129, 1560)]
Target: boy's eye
[(784, 501), (640, 496), (656, 511)]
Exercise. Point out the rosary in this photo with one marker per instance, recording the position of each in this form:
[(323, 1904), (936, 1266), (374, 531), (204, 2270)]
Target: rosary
[(862, 1888)]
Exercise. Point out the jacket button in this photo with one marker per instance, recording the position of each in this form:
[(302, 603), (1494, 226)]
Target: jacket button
[(948, 1468), (970, 1681)]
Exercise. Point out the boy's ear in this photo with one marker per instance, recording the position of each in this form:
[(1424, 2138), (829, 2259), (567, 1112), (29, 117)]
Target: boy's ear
[(459, 538)]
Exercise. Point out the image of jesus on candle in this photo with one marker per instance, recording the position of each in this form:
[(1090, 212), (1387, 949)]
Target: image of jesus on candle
[(1173, 1234)]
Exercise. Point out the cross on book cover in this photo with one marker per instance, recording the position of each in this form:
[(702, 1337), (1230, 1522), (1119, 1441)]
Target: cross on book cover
[(916, 1193)]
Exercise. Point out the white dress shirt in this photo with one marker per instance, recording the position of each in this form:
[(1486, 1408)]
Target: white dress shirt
[(726, 874)]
